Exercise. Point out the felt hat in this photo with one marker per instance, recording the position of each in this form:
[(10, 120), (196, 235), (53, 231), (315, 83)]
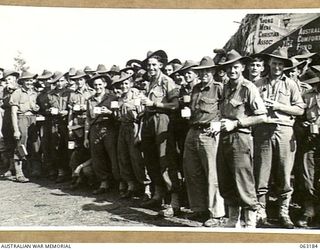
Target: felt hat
[(26, 75), (56, 76), (88, 70), (9, 72), (46, 74), (304, 53), (234, 56), (279, 53), (120, 78), (101, 68), (189, 64), (206, 63), (79, 74), (295, 64)]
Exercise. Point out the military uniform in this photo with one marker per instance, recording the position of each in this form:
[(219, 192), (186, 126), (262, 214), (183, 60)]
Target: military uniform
[(235, 156), (77, 119), (59, 147), (103, 139), (161, 169), (199, 158), (25, 101), (311, 157), (131, 164), (275, 143)]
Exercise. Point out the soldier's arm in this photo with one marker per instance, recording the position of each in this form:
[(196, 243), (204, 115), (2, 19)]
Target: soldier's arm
[(172, 105), (14, 119)]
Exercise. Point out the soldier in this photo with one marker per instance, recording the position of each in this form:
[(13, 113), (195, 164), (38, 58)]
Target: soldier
[(23, 109), (241, 108), (131, 164), (294, 73), (169, 67), (114, 70), (58, 109), (101, 135), (302, 55), (45, 126), (11, 78), (201, 145), (71, 82), (310, 148), (256, 68), (88, 71), (275, 143), (162, 98), (77, 116)]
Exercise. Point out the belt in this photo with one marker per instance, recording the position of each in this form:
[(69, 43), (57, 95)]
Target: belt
[(200, 126)]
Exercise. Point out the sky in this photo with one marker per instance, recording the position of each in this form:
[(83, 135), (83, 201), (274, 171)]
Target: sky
[(60, 38)]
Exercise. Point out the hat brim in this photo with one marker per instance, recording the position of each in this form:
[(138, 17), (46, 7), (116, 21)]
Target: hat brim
[(244, 59), (79, 76), (316, 67), (44, 77), (313, 80), (187, 67), (306, 56), (104, 76), (161, 53), (300, 64), (21, 79), (287, 62), (12, 73), (121, 80), (54, 80)]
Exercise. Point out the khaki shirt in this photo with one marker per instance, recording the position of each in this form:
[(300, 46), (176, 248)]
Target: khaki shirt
[(24, 100), (78, 97), (241, 101), (129, 108), (284, 91), (312, 100), (162, 90), (104, 102), (59, 98), (205, 103)]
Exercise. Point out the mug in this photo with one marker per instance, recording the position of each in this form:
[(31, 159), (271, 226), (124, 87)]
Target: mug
[(71, 145), (114, 105), (54, 111), (186, 98), (76, 107), (97, 110), (185, 112)]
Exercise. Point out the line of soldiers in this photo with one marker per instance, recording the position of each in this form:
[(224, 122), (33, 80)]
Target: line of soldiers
[(215, 137)]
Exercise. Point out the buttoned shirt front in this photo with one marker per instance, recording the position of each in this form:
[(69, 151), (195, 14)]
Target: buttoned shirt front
[(93, 102), (205, 103), (59, 98), (25, 100), (284, 91), (162, 89), (129, 106), (241, 101)]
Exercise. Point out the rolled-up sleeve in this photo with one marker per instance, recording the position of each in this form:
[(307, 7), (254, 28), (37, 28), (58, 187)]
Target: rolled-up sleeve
[(256, 103)]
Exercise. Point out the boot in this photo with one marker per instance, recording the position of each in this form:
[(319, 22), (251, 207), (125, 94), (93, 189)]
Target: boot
[(261, 214), (250, 218), (19, 173), (284, 218), (234, 217)]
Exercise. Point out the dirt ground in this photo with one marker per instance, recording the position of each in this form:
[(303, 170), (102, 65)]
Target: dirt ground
[(45, 203)]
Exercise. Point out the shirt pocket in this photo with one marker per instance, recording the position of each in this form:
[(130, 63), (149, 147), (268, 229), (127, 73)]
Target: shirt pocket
[(158, 95), (208, 105), (284, 96)]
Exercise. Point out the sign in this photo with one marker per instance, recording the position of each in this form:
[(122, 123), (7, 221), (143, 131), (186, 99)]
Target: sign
[(273, 28), (306, 36)]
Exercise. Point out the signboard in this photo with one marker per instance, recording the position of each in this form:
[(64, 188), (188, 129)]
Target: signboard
[(273, 28), (306, 36)]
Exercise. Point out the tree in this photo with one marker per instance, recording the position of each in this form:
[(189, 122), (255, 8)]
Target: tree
[(20, 63)]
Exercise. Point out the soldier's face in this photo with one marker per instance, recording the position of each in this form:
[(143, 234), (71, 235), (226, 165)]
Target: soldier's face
[(130, 72), (234, 70), (276, 66), (190, 76), (80, 82), (168, 70), (99, 85), (221, 73), (61, 83), (154, 66), (206, 75), (28, 84), (1, 74), (126, 86), (256, 68), (11, 81)]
